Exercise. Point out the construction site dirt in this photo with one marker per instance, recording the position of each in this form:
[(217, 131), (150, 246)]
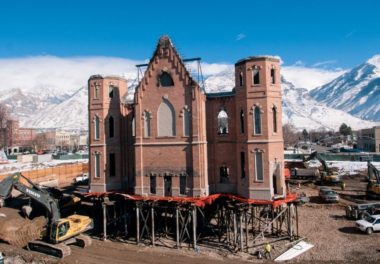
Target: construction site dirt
[(335, 239)]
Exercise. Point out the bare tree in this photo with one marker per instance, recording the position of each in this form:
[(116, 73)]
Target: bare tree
[(4, 117), (291, 135), (40, 142)]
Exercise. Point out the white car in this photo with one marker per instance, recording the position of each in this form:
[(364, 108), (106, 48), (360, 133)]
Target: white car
[(82, 178), (369, 223)]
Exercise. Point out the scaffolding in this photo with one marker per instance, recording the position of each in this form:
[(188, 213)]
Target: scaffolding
[(221, 222)]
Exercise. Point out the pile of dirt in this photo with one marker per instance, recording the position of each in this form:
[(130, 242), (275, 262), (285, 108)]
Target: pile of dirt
[(18, 231)]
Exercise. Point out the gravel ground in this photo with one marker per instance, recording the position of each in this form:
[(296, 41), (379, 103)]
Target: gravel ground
[(335, 240)]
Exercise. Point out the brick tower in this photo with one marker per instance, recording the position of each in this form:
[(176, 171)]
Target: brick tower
[(106, 116), (259, 145)]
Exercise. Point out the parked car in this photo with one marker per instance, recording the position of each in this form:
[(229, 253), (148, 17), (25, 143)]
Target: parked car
[(369, 224), (81, 179), (328, 195)]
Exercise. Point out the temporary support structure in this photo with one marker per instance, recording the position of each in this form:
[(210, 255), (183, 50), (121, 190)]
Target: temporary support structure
[(222, 221)]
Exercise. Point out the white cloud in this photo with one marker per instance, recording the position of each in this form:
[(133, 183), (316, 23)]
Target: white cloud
[(68, 74), (323, 63), (240, 36), (309, 77)]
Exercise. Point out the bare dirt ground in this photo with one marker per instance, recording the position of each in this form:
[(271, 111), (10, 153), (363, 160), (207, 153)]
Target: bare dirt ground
[(335, 240)]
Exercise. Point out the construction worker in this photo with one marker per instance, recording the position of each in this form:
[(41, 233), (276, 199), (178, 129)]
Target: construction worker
[(342, 185), (267, 250)]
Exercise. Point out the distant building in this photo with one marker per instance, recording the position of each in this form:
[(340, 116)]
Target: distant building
[(176, 140), (369, 139)]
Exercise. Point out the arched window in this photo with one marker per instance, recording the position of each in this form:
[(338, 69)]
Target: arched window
[(274, 110), (97, 128), (97, 165), (242, 121), (257, 120), (96, 90), (147, 124), (273, 76), (133, 127), (186, 122), (111, 91), (241, 79), (111, 127), (166, 79), (259, 170), (255, 76), (222, 122), (166, 119)]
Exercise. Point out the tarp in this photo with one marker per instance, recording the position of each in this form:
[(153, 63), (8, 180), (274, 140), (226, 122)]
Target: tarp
[(197, 201), (294, 251)]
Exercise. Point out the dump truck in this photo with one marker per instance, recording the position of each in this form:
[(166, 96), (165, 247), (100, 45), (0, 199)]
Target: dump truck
[(53, 235), (373, 186)]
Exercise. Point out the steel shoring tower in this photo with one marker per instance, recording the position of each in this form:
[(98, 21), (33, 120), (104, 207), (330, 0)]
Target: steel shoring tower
[(223, 225)]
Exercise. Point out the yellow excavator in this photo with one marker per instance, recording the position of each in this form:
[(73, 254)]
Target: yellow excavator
[(327, 175), (373, 186), (57, 233)]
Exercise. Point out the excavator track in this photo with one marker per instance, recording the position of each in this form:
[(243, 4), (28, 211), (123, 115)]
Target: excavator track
[(83, 241), (56, 250)]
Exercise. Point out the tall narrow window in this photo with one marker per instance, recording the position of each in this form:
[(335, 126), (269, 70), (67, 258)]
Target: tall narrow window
[(166, 80), (273, 76), (256, 76), (241, 79), (112, 164), (147, 124), (111, 91), (224, 174), (242, 121), (111, 127), (274, 110), (97, 165), (222, 122), (259, 166), (153, 184), (257, 120), (97, 128), (182, 185), (96, 91), (242, 164), (166, 119), (186, 123), (133, 127)]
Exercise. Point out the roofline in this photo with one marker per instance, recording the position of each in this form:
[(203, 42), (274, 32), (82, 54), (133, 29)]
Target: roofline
[(113, 77), (258, 58), (221, 94)]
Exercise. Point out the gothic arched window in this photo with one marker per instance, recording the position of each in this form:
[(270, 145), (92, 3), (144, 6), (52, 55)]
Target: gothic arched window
[(97, 128), (166, 119), (222, 122), (186, 122), (166, 80), (257, 120), (147, 124), (274, 110)]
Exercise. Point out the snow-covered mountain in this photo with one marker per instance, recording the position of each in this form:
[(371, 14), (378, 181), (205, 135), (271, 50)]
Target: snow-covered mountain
[(356, 92), (303, 111), (45, 99)]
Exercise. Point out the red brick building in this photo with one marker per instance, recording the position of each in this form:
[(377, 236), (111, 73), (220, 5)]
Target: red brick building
[(176, 140)]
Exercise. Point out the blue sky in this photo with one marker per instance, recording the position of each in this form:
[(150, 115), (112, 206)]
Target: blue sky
[(321, 33)]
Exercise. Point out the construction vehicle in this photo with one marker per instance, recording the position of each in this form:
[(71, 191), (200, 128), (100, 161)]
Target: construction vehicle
[(58, 232), (327, 175), (373, 186), (357, 211)]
